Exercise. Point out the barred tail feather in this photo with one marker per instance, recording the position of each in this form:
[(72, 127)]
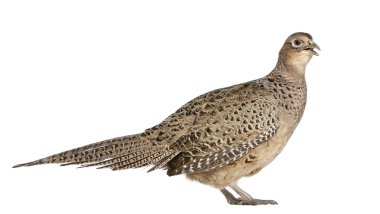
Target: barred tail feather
[(128, 158), (95, 152), (140, 161), (162, 160)]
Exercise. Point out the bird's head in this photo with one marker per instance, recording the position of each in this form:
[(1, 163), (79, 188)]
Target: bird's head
[(297, 51)]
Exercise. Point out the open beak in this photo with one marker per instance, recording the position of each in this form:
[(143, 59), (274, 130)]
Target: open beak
[(312, 48)]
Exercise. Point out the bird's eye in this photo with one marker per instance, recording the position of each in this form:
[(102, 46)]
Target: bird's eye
[(296, 43)]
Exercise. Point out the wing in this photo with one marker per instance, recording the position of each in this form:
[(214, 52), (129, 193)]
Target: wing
[(227, 124)]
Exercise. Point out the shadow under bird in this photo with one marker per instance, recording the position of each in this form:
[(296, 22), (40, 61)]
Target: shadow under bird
[(218, 137)]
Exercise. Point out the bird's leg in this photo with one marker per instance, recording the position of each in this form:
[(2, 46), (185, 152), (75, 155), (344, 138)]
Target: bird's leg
[(245, 199), (243, 194), (230, 198)]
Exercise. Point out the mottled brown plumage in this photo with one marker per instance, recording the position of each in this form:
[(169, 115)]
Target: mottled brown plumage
[(218, 137)]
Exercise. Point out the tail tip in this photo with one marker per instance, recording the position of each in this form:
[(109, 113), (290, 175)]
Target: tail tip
[(19, 165), (27, 164)]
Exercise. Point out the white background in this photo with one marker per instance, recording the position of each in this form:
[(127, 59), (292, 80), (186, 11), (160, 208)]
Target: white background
[(77, 72)]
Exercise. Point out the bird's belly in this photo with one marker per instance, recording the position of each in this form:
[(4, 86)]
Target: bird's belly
[(264, 154), (248, 165)]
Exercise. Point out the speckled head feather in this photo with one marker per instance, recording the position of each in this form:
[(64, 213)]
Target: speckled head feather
[(298, 34)]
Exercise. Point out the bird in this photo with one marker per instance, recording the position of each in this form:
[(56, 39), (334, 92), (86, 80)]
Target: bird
[(218, 137)]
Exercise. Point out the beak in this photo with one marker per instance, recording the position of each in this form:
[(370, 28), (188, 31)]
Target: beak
[(313, 46)]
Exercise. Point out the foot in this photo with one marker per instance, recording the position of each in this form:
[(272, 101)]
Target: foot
[(253, 202), (245, 201)]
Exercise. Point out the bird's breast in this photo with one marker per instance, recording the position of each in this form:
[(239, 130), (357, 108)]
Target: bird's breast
[(265, 153)]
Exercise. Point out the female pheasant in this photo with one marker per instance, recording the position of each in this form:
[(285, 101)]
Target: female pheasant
[(218, 137)]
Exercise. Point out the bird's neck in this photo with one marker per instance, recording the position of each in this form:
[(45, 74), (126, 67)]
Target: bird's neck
[(288, 79), (293, 70)]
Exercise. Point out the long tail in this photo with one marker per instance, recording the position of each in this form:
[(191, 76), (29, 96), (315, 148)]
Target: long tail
[(131, 151)]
